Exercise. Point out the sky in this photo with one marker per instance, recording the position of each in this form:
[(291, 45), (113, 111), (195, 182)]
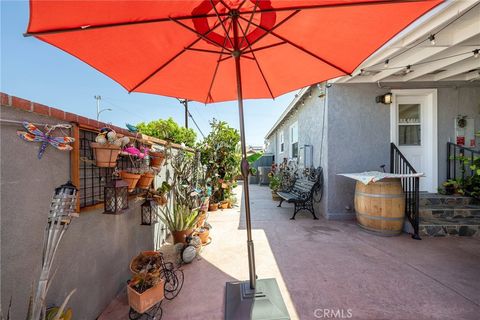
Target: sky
[(34, 70)]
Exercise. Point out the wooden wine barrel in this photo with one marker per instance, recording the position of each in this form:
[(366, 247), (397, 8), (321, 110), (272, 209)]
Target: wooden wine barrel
[(380, 207)]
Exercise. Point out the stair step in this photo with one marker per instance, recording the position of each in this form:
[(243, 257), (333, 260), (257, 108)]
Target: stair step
[(446, 211), (431, 199), (441, 227)]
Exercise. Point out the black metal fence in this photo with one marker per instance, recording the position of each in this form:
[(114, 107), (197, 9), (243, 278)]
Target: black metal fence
[(459, 159), (411, 187)]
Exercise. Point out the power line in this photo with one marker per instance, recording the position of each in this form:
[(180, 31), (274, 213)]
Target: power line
[(196, 125)]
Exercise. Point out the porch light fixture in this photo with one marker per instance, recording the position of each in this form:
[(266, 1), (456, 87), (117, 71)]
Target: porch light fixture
[(432, 39), (475, 53), (385, 99), (149, 216), (115, 196)]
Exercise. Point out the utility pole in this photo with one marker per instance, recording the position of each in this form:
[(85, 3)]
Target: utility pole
[(185, 104)]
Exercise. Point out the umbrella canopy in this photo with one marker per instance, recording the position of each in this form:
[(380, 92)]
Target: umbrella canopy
[(218, 50), (184, 48)]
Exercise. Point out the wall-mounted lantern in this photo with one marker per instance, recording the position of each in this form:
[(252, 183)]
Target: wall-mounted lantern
[(149, 215), (385, 99), (115, 196)]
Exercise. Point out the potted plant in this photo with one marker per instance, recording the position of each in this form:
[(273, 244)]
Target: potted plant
[(181, 221), (204, 232), (144, 291), (275, 183), (131, 176), (107, 147), (156, 158), (146, 179), (213, 203), (453, 187), (160, 195)]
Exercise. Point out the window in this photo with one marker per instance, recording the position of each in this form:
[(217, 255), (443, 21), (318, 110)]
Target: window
[(281, 142), (409, 125), (294, 140)]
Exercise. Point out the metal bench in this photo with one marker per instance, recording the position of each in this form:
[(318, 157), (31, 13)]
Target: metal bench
[(303, 191)]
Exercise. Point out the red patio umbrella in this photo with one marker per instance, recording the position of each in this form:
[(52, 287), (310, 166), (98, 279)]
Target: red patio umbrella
[(219, 50)]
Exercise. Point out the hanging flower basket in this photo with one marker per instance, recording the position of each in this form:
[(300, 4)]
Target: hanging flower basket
[(141, 302), (105, 154), (145, 180), (131, 179), (156, 158)]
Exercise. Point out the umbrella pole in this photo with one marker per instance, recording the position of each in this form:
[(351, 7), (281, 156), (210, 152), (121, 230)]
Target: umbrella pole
[(255, 300), (245, 171)]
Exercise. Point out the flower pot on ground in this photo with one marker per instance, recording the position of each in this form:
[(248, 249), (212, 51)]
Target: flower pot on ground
[(181, 236), (224, 205), (203, 234), (145, 180), (213, 207), (105, 154), (156, 158), (180, 220), (130, 178), (142, 296)]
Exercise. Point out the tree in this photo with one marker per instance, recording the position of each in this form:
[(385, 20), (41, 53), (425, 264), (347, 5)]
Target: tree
[(220, 156), (168, 130)]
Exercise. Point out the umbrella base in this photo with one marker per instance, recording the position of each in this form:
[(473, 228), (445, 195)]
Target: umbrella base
[(264, 302)]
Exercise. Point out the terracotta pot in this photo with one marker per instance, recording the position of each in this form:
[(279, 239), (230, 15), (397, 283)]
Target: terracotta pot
[(230, 205), (224, 205), (201, 219), (156, 159), (130, 178), (141, 302), (145, 180), (180, 236), (213, 207), (105, 154), (203, 235)]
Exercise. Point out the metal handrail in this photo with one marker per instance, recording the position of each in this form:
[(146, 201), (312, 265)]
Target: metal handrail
[(455, 150), (411, 186)]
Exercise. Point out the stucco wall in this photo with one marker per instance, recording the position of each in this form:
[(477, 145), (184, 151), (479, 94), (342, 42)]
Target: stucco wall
[(95, 252), (358, 140), (359, 131), (309, 116)]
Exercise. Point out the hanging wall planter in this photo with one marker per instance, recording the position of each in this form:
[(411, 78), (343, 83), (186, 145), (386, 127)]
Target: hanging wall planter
[(105, 154), (145, 180), (156, 158), (131, 179)]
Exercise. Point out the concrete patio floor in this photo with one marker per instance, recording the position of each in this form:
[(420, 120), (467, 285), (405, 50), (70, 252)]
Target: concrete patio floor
[(323, 266)]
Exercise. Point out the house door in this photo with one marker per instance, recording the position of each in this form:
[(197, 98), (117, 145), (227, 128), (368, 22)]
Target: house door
[(414, 131)]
